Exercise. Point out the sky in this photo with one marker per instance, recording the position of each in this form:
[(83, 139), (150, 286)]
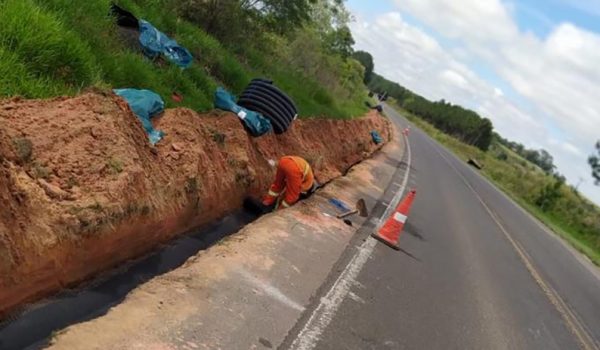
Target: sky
[(530, 66)]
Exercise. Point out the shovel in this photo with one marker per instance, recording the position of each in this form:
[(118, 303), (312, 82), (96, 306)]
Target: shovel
[(360, 209)]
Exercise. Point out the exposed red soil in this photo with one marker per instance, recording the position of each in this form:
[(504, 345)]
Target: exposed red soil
[(82, 190)]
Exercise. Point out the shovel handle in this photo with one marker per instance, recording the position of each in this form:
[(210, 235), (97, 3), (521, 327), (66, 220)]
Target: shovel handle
[(343, 215)]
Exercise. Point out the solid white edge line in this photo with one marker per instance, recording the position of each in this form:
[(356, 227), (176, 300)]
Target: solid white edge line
[(320, 318)]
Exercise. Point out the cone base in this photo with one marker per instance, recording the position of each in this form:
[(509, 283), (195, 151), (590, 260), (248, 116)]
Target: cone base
[(385, 241)]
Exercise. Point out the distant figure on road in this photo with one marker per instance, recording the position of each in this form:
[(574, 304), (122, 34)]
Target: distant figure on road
[(294, 179)]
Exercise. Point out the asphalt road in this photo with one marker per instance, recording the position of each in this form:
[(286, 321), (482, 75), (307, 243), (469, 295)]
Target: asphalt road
[(475, 272)]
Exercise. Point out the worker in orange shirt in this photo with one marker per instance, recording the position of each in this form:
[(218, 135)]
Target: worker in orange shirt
[(294, 180)]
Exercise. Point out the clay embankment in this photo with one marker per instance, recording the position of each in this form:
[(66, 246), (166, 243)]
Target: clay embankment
[(81, 190)]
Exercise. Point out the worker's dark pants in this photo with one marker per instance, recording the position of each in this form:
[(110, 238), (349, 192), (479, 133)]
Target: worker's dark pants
[(310, 192)]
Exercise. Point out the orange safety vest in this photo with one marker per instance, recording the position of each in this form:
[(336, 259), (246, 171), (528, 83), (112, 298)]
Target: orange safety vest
[(294, 176), (308, 177)]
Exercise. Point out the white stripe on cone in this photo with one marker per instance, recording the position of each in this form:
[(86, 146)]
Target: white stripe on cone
[(400, 217)]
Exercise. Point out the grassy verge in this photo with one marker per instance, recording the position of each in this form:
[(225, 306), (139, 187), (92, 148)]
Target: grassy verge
[(60, 47), (519, 180)]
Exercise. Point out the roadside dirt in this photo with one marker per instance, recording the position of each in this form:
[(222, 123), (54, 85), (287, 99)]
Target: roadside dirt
[(82, 190)]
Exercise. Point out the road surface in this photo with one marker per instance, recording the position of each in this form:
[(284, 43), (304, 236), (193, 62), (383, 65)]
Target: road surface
[(475, 272)]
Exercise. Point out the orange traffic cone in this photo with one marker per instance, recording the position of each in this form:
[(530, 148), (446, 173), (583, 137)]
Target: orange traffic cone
[(390, 232)]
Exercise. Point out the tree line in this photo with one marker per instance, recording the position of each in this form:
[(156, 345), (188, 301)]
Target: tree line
[(541, 158), (242, 23), (463, 124)]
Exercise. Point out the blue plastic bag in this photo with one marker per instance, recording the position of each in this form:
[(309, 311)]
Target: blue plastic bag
[(145, 104), (154, 43), (255, 122), (376, 137)]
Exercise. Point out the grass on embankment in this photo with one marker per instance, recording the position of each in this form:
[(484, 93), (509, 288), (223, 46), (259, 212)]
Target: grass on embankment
[(521, 181), (59, 47)]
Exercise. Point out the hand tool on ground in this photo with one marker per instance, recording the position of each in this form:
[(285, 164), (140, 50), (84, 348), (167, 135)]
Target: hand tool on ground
[(360, 209)]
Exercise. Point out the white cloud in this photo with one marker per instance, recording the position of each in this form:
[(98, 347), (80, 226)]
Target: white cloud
[(558, 76), (476, 21), (569, 147), (454, 78)]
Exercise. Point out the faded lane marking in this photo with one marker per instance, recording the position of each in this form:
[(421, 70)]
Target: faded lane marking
[(269, 290), (575, 326), (328, 306)]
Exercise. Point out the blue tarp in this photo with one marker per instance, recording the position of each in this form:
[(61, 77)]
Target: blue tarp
[(376, 137), (154, 43), (145, 104), (255, 122)]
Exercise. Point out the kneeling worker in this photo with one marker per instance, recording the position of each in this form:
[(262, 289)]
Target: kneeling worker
[(294, 179)]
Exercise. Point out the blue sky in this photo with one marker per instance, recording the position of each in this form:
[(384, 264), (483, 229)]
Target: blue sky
[(530, 66), (540, 16), (537, 16)]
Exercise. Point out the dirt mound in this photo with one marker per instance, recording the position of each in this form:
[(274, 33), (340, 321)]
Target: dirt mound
[(82, 190)]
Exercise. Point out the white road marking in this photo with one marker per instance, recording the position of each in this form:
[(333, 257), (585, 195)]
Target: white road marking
[(269, 290), (356, 298), (329, 304)]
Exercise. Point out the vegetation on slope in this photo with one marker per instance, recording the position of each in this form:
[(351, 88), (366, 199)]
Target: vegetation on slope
[(56, 47), (541, 158)]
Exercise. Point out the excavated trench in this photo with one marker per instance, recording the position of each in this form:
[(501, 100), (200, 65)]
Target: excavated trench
[(33, 327), (82, 192)]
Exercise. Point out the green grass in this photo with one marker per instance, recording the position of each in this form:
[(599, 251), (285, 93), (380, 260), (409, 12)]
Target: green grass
[(521, 181), (59, 47), (570, 235)]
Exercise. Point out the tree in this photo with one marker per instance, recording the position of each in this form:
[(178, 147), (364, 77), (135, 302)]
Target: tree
[(366, 60), (330, 19), (340, 41), (281, 15), (550, 193), (484, 134), (217, 18), (546, 162), (329, 14), (231, 21), (594, 161)]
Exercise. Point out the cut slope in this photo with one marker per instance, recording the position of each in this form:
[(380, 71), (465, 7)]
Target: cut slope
[(82, 190)]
